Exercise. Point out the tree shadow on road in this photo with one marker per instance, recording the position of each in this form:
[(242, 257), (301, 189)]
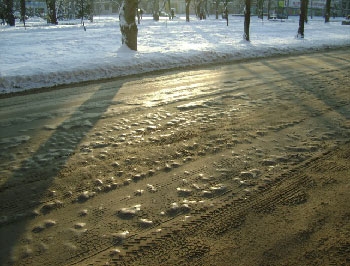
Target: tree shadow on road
[(321, 85), (25, 189)]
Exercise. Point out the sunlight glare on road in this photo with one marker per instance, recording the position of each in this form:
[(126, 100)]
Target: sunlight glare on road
[(175, 94)]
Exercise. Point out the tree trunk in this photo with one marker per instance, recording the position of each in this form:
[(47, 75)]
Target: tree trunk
[(306, 10), (328, 11), (23, 11), (206, 8), (10, 18), (226, 12), (247, 20), (82, 11), (128, 26), (260, 9), (90, 10), (51, 9), (303, 7), (188, 10), (156, 10)]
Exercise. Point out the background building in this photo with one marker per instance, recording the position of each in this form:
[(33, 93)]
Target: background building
[(67, 9)]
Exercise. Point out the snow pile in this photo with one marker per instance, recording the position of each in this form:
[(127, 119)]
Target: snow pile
[(45, 56)]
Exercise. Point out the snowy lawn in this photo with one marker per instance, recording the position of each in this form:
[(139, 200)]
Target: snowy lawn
[(43, 56)]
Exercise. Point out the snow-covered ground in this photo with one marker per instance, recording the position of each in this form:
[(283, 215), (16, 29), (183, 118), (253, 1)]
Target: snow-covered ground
[(43, 55)]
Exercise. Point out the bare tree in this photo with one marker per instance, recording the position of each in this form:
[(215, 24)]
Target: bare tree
[(260, 8), (84, 10), (226, 12), (188, 10), (156, 10), (328, 11), (247, 20), (303, 7), (268, 8), (23, 12), (128, 26), (9, 17), (51, 10), (217, 9)]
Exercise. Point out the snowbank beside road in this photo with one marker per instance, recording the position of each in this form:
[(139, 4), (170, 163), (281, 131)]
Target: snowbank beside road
[(45, 56)]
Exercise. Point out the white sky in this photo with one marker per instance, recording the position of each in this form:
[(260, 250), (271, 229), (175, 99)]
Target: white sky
[(43, 55)]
